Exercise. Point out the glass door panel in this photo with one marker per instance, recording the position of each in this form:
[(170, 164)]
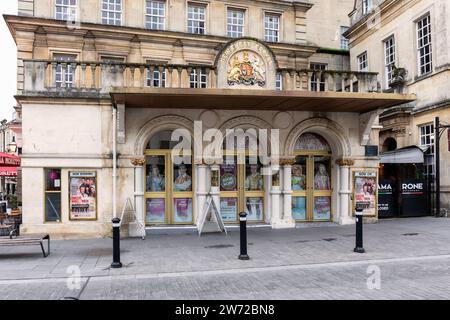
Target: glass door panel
[(229, 209), (155, 211), (299, 184)]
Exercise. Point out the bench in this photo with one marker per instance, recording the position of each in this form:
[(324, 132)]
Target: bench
[(14, 240)]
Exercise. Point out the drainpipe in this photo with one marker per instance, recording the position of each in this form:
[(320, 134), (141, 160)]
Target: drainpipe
[(114, 150)]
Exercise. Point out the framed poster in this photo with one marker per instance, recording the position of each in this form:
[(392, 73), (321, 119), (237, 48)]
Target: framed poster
[(365, 187), (83, 195)]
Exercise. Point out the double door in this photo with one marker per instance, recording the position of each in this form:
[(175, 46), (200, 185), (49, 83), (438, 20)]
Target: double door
[(242, 188), (311, 185), (168, 189)]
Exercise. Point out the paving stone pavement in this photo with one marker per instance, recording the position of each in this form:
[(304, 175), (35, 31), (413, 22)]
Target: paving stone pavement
[(412, 257)]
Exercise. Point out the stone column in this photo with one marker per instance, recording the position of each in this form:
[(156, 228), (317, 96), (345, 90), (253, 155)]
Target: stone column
[(135, 227), (201, 190), (275, 195), (344, 191), (287, 221)]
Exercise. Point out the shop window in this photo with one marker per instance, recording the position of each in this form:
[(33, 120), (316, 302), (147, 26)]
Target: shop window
[(52, 195)]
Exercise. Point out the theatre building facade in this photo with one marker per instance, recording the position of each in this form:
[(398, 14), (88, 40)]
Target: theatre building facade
[(108, 94)]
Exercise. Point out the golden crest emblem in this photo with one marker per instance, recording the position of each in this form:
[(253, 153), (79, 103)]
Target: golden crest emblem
[(246, 69)]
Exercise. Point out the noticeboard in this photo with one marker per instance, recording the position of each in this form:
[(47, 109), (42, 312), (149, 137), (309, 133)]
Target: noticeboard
[(365, 191)]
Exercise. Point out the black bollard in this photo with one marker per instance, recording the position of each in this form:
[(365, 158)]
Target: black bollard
[(359, 231), (243, 229), (116, 244)]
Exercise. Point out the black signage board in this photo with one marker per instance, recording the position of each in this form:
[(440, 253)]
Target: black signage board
[(387, 203), (414, 200)]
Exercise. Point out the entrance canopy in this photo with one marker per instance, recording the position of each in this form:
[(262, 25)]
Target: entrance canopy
[(248, 99), (8, 160), (411, 154)]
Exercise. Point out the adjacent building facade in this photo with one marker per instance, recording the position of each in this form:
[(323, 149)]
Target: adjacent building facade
[(408, 43), (109, 87)]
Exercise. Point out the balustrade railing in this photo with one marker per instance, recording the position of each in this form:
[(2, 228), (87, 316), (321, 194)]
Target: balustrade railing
[(45, 76)]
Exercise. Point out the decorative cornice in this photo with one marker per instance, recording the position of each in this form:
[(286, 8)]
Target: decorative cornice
[(345, 162), (138, 162)]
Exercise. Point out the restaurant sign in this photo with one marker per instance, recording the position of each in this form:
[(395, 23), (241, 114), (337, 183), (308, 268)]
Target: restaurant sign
[(7, 160)]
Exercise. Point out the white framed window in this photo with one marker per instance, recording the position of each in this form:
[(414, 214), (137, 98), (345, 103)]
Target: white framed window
[(235, 23), (426, 133), (112, 12), (196, 18), (66, 10), (314, 80), (344, 40), (157, 79), (424, 49), (272, 27), (155, 15), (196, 81), (65, 72), (363, 62), (366, 6), (389, 59), (279, 81)]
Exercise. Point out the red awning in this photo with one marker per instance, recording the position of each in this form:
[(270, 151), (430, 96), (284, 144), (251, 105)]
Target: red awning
[(8, 160), (8, 171)]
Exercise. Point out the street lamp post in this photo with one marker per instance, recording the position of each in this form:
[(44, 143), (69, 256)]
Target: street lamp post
[(439, 129)]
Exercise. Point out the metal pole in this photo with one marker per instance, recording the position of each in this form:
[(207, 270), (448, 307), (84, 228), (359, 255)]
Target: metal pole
[(114, 150), (243, 231), (359, 231), (116, 244), (437, 166)]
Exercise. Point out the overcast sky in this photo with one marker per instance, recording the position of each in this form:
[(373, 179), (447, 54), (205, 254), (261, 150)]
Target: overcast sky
[(8, 62)]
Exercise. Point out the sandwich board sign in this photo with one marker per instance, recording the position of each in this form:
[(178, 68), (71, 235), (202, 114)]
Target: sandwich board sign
[(211, 220)]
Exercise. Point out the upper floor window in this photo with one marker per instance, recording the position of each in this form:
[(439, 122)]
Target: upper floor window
[(196, 19), (426, 133), (315, 80), (389, 59), (156, 78), (66, 10), (197, 80), (363, 62), (344, 40), (155, 14), (112, 12), (64, 74), (272, 27), (279, 81), (235, 23), (366, 6), (425, 59)]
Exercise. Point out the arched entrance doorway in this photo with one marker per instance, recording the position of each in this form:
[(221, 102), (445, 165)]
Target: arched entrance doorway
[(169, 183), (311, 179), (242, 182)]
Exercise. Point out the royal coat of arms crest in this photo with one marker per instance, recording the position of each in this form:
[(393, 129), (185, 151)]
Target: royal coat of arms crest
[(247, 70)]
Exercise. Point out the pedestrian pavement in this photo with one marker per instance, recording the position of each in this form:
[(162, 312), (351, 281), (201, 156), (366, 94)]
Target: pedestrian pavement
[(302, 263)]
